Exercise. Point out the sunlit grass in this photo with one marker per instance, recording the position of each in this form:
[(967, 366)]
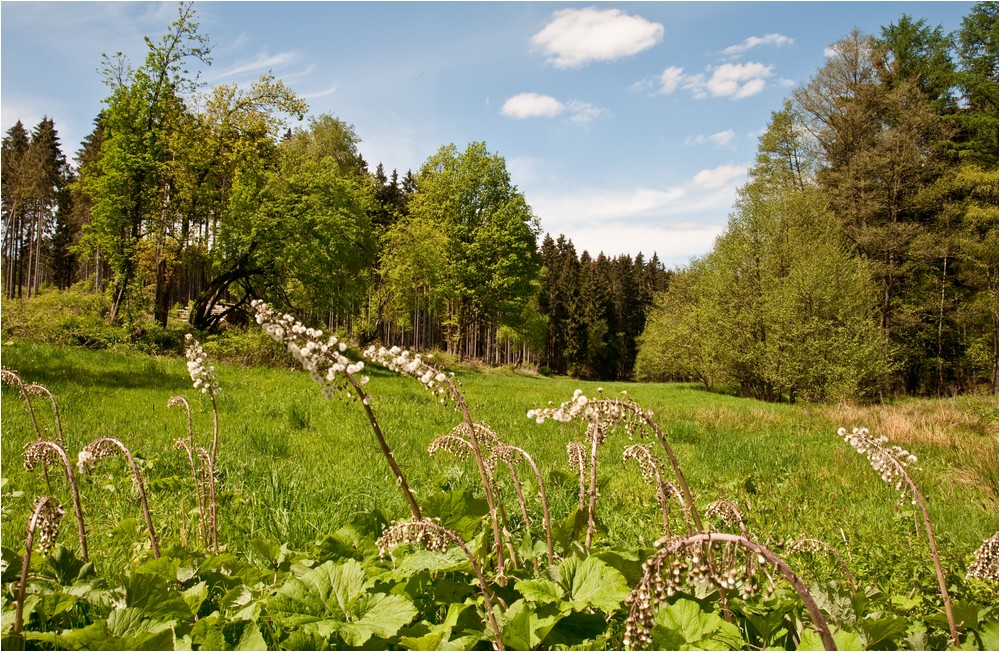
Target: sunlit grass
[(294, 467)]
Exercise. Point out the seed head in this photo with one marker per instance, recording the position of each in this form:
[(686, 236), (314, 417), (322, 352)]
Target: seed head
[(39, 452), (427, 533), (46, 523), (985, 565), (94, 452)]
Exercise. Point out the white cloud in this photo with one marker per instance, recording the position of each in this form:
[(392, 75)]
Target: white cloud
[(733, 80), (535, 105), (754, 41), (829, 52), (583, 112), (720, 138), (677, 222), (575, 37), (673, 244), (532, 105), (670, 79), (718, 177)]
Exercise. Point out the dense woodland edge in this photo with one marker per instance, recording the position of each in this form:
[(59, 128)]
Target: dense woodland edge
[(859, 262)]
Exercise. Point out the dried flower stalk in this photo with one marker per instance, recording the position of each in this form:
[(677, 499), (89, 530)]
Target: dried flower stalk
[(47, 451), (45, 520), (104, 447), (443, 386)]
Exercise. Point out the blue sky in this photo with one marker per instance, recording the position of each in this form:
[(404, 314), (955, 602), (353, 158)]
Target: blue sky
[(628, 126)]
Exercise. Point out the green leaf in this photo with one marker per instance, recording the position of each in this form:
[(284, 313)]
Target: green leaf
[(459, 511), (251, 639), (525, 626), (592, 583), (331, 598), (454, 560), (683, 625), (541, 590), (322, 593), (809, 639), (877, 630), (379, 615), (196, 596)]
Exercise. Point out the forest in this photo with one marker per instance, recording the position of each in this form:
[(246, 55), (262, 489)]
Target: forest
[(860, 260)]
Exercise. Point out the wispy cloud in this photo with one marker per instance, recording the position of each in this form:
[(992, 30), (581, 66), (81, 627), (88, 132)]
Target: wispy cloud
[(752, 42), (261, 63), (575, 37), (731, 80), (314, 95), (719, 138), (711, 191), (535, 105)]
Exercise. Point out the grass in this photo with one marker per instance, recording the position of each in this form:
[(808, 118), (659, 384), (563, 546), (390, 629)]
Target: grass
[(294, 467)]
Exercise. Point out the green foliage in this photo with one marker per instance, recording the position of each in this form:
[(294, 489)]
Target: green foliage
[(300, 568), (778, 309)]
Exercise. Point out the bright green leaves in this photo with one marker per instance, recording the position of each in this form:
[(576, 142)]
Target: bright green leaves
[(333, 599), (592, 583), (683, 625)]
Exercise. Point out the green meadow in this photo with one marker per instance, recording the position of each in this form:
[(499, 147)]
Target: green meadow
[(294, 467)]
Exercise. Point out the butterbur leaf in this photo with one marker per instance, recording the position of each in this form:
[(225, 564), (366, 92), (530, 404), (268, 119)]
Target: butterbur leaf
[(195, 596), (10, 563), (459, 511), (878, 630), (331, 598), (251, 639), (592, 583), (137, 632), (454, 560), (322, 593), (377, 615), (683, 625), (66, 567), (845, 640), (439, 635), (53, 604), (525, 626), (154, 597), (542, 591)]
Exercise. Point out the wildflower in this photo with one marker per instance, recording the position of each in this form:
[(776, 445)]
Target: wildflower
[(203, 376), (890, 462), (39, 452), (94, 452), (49, 515), (985, 565), (323, 358)]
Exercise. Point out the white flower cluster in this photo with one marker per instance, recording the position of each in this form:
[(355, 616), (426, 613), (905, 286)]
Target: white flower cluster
[(323, 359), (647, 461), (413, 365), (601, 413), (202, 375), (890, 462)]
